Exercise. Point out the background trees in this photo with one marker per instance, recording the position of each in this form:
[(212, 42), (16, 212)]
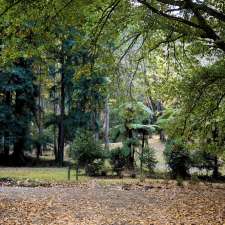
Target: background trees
[(137, 66)]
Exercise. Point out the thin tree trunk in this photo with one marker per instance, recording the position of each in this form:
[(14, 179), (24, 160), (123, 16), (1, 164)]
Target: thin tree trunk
[(130, 146), (55, 125), (55, 143), (6, 134), (39, 122), (61, 122), (95, 125), (216, 168), (106, 124), (142, 154)]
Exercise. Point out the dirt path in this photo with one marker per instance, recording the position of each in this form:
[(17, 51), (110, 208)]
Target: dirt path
[(112, 205)]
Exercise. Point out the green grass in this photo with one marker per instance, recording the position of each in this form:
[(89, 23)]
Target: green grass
[(40, 174)]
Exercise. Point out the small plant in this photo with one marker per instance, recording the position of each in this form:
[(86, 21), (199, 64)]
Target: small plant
[(148, 159), (88, 153), (177, 158), (118, 160), (95, 168)]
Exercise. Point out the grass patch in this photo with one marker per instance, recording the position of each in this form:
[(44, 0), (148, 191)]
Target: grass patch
[(40, 174)]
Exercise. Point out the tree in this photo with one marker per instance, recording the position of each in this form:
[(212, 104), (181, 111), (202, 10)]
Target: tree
[(87, 152), (134, 119), (20, 91)]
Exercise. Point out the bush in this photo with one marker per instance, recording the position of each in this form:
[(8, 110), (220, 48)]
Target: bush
[(203, 160), (149, 159), (95, 168), (88, 153), (177, 158), (118, 160)]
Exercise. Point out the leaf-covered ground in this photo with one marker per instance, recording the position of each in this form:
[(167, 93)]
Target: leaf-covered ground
[(89, 204)]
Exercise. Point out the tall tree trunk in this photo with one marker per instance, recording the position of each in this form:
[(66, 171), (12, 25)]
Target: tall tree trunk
[(38, 151), (55, 125), (160, 108), (6, 134), (19, 144), (96, 118), (18, 154), (131, 148), (216, 168), (61, 134), (142, 153), (215, 135), (39, 122), (55, 142), (6, 147), (162, 136), (106, 124)]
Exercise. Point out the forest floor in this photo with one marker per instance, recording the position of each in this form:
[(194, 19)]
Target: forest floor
[(93, 203)]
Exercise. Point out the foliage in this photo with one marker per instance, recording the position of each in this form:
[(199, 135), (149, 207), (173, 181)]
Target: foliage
[(134, 117), (18, 93), (149, 159), (118, 159), (202, 159), (42, 140), (87, 152), (177, 158)]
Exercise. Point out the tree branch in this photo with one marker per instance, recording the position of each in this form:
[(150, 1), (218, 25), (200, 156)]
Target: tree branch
[(210, 11), (10, 7), (174, 18), (202, 24)]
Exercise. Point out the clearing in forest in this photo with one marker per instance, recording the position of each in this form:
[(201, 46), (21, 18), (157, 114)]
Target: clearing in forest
[(96, 204)]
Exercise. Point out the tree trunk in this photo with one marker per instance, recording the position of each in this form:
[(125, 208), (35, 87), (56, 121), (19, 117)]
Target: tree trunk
[(39, 123), (6, 147), (61, 135), (106, 124), (18, 153), (19, 144), (95, 124), (131, 155), (55, 143), (55, 125), (38, 151), (142, 154), (6, 134), (216, 168), (215, 135), (162, 136)]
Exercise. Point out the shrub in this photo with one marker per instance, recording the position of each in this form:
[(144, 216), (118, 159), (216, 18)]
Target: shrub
[(203, 160), (177, 158), (148, 159), (95, 168), (118, 160), (88, 153)]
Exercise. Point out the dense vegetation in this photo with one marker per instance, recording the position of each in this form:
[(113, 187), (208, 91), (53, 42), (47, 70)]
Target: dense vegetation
[(76, 76)]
